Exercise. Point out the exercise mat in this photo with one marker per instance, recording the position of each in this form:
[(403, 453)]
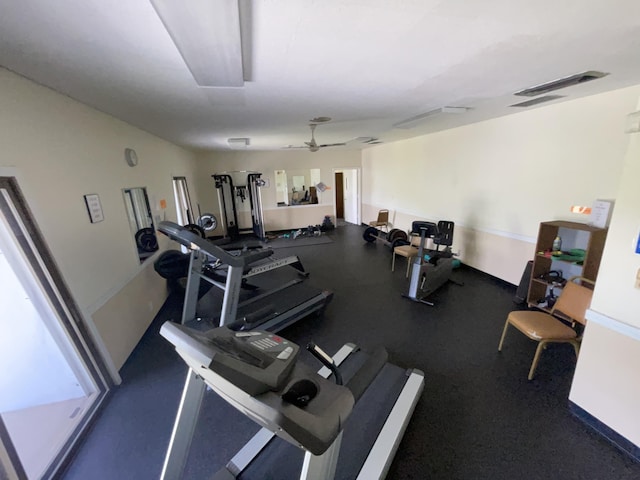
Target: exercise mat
[(302, 241)]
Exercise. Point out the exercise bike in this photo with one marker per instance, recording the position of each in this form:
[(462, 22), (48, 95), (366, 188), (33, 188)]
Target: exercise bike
[(429, 275)]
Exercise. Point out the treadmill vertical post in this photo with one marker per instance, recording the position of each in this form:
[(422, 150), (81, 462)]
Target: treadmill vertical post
[(183, 427), (193, 286), (322, 467), (231, 295)]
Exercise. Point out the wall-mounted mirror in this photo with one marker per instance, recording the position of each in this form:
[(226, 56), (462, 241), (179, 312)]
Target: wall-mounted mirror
[(140, 221), (297, 187)]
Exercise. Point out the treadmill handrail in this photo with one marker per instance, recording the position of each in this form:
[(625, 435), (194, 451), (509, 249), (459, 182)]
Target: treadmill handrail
[(195, 242)]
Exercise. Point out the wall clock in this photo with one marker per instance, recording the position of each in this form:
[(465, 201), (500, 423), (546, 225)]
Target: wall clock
[(131, 157)]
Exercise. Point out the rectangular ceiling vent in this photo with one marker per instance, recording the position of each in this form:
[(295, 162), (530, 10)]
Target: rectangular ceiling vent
[(414, 121), (561, 83), (536, 101)]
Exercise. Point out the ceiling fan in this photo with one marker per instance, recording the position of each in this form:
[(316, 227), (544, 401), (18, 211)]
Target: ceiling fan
[(312, 145)]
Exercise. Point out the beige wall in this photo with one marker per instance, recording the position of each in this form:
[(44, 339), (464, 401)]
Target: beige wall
[(500, 178), (277, 218), (60, 150), (606, 380)]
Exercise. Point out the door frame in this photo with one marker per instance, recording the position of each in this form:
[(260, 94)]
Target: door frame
[(31, 242), (356, 197)]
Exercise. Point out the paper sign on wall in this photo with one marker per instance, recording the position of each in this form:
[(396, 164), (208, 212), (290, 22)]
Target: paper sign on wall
[(601, 213)]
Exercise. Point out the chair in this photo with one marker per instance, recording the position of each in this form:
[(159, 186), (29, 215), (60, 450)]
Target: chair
[(382, 221), (407, 251), (547, 328)]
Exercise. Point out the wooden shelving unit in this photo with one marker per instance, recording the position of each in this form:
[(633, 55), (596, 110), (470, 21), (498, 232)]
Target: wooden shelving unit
[(573, 235)]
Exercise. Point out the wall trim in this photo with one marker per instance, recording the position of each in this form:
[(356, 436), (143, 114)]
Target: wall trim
[(490, 231), (609, 434), (285, 207), (97, 304), (613, 324)]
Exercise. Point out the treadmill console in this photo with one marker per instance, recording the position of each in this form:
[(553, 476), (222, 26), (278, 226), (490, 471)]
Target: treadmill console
[(255, 361)]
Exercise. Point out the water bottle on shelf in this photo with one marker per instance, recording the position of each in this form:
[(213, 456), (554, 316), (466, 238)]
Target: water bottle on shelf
[(557, 244)]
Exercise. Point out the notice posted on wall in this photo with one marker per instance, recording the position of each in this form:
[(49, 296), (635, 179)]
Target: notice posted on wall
[(601, 213)]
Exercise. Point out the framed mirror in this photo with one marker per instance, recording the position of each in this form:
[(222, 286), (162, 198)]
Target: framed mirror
[(140, 221), (297, 187)]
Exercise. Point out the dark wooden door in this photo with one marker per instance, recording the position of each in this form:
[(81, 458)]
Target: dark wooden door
[(339, 195)]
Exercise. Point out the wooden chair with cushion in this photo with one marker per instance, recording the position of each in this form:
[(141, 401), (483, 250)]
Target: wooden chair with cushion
[(407, 251), (382, 221), (558, 326)]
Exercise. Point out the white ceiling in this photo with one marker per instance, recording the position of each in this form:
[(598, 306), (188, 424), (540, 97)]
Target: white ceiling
[(366, 63)]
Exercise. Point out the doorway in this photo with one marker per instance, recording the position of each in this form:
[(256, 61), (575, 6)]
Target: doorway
[(55, 380), (347, 196)]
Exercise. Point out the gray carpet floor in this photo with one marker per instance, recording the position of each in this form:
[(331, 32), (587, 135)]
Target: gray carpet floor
[(478, 417)]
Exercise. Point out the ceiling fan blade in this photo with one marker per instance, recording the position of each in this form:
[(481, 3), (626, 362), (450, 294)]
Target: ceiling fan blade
[(332, 145)]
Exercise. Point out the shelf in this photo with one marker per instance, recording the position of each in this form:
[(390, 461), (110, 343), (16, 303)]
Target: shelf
[(572, 225), (556, 259), (549, 284), (586, 238)]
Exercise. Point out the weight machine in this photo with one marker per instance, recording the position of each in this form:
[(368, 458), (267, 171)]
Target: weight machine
[(241, 185)]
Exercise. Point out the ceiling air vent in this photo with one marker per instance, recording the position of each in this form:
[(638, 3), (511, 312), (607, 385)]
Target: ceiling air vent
[(536, 101), (418, 119), (561, 83)]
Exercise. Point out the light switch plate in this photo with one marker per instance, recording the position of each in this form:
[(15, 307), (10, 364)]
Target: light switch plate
[(632, 123)]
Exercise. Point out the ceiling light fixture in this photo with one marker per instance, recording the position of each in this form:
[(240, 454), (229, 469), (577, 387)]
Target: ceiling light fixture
[(418, 119), (320, 120), (241, 142), (561, 83), (207, 35)]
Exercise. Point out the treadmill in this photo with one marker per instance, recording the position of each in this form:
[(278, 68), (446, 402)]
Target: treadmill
[(313, 426), (275, 303)]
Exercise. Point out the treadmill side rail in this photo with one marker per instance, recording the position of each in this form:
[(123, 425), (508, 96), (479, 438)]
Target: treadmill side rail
[(384, 449)]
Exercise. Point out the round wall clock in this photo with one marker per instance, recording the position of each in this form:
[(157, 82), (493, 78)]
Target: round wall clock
[(131, 157)]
